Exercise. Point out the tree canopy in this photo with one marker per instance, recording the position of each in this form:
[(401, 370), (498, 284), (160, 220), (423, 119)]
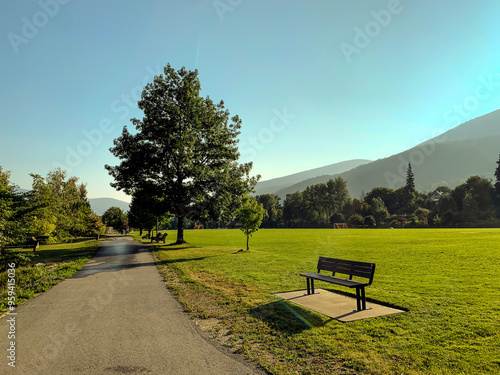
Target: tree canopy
[(114, 217), (184, 151)]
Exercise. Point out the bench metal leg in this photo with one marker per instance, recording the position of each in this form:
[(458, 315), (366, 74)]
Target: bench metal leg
[(310, 286), (358, 299), (363, 298)]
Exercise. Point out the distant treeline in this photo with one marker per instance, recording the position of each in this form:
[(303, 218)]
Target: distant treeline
[(474, 203)]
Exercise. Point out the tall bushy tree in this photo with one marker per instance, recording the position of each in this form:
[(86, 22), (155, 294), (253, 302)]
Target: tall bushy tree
[(114, 217), (271, 204), (146, 211), (318, 205), (379, 211), (185, 150), (6, 209), (60, 206), (294, 210)]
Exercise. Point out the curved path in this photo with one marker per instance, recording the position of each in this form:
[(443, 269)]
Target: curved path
[(115, 316)]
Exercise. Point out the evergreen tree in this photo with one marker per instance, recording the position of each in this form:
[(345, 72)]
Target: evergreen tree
[(410, 180)]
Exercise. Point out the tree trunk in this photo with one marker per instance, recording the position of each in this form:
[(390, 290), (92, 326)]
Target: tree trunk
[(247, 242), (180, 229)]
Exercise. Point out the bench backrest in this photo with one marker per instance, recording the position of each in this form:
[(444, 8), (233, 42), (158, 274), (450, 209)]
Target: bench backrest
[(347, 267)]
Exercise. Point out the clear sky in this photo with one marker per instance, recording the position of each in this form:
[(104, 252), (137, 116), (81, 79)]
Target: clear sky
[(315, 82)]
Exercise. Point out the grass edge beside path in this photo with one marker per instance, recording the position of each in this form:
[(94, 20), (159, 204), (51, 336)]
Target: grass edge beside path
[(48, 266)]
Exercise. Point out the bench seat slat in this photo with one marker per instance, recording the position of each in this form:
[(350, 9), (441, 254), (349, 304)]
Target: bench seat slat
[(346, 267)]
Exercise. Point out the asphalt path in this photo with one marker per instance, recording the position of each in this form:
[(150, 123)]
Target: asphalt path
[(115, 316)]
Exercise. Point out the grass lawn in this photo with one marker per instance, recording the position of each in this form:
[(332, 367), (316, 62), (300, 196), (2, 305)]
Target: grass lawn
[(447, 278), (48, 266)]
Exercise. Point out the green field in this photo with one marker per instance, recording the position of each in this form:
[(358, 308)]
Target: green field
[(447, 279)]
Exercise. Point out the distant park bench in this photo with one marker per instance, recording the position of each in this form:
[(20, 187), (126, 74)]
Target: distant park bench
[(42, 239), (146, 237), (159, 237), (344, 267), (31, 243)]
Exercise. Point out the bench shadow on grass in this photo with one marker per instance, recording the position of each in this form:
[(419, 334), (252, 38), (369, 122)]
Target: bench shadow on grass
[(287, 318)]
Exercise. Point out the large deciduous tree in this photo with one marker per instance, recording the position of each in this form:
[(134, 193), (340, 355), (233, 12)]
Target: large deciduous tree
[(7, 197), (60, 206), (184, 150)]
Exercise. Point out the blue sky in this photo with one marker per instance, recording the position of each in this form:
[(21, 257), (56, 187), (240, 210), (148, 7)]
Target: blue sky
[(315, 82)]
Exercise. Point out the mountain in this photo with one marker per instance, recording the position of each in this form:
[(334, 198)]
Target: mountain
[(480, 127), (471, 148), (100, 205), (281, 183)]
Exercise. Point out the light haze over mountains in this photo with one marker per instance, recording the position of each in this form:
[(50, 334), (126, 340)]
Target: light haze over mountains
[(471, 148)]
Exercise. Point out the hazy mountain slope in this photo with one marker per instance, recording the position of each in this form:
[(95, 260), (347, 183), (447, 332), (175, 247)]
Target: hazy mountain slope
[(276, 184), (471, 148), (479, 127), (100, 205), (436, 164)]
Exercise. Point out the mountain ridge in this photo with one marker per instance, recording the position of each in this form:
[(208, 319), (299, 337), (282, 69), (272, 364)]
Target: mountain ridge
[(278, 183), (471, 148), (100, 205)]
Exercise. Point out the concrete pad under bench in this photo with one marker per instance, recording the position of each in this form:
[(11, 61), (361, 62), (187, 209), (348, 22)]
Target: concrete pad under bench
[(336, 306)]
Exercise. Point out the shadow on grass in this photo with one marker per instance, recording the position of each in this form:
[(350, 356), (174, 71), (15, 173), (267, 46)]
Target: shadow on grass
[(182, 260), (289, 319), (62, 255)]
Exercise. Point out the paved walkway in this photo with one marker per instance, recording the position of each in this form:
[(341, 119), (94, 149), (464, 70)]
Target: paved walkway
[(115, 316)]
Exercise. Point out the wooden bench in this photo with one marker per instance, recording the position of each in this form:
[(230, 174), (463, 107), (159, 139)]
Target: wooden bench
[(344, 267), (42, 239), (159, 237), (31, 243)]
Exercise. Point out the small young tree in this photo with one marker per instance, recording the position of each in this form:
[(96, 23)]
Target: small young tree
[(250, 216), (95, 226)]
